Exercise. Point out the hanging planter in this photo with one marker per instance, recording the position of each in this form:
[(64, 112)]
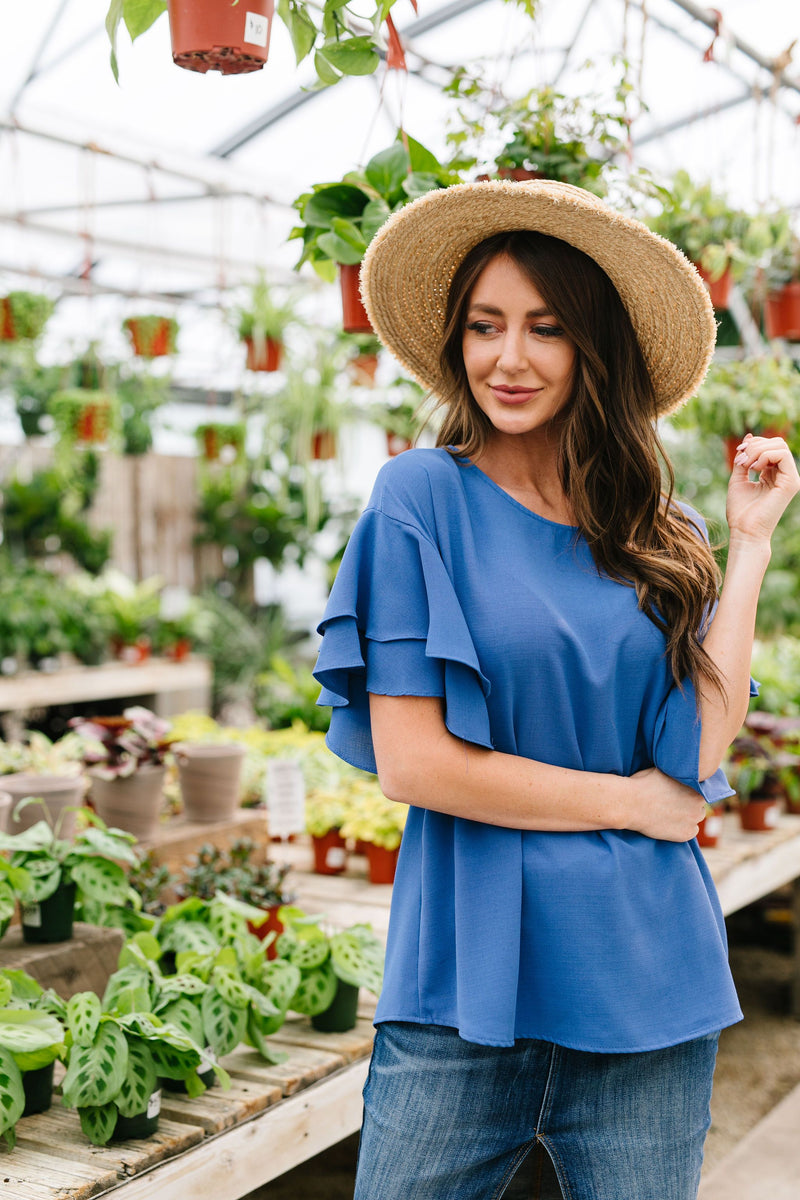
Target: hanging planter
[(323, 444), (264, 355), (23, 316), (221, 442), (362, 369), (210, 35), (354, 315), (83, 415), (151, 336), (719, 287), (782, 312)]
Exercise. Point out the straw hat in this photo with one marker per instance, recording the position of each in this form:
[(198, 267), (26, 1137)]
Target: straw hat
[(408, 268)]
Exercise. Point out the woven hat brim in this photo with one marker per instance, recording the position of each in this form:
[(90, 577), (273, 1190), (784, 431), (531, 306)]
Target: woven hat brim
[(410, 263)]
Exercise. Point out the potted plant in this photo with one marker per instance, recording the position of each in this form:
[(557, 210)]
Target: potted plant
[(131, 611), (782, 278), (13, 880), (363, 350), (57, 868), (721, 241), (31, 1039), (326, 812), (312, 409), (151, 335), (400, 418), (23, 316), (223, 442), (260, 325), (332, 967), (376, 823), (750, 395), (50, 770), (183, 622), (125, 759), (237, 873), (340, 219), (84, 416), (763, 776), (710, 828)]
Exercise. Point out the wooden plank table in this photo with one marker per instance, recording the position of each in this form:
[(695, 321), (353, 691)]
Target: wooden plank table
[(225, 1144)]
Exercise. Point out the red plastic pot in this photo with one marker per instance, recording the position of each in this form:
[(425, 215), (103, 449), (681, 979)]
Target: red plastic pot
[(216, 35), (323, 444), (758, 815), (273, 924), (710, 828), (396, 444), (354, 315), (382, 863), (7, 330), (718, 289), (782, 312), (93, 424), (264, 355), (330, 853), (155, 342)]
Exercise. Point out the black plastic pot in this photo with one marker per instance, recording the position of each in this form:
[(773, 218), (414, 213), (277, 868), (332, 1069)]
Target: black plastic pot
[(38, 1088), (341, 1015), (140, 1126), (51, 919), (179, 1085)]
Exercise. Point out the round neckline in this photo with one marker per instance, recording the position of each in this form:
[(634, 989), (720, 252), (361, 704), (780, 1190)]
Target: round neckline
[(516, 503)]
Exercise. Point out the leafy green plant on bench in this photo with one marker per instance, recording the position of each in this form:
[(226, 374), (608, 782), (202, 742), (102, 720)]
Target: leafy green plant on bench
[(31, 1039)]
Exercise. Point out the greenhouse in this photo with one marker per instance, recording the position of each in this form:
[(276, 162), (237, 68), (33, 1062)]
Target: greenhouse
[(400, 390)]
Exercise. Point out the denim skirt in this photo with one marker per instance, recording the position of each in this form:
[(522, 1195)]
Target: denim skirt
[(446, 1119)]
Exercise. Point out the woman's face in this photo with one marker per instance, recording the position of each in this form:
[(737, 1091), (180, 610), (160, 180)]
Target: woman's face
[(519, 361)]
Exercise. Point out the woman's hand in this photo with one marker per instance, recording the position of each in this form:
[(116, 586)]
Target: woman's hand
[(664, 809), (755, 506)]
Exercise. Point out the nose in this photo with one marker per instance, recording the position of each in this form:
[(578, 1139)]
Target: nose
[(512, 358)]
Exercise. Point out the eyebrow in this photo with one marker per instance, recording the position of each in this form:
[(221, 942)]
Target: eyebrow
[(498, 312)]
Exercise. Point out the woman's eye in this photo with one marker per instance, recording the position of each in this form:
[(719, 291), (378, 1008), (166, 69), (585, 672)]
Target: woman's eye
[(480, 327), (548, 330)]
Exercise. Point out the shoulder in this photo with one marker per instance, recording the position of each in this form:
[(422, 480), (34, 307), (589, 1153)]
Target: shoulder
[(411, 486)]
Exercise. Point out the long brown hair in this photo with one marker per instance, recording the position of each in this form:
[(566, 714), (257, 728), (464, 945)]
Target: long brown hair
[(610, 454)]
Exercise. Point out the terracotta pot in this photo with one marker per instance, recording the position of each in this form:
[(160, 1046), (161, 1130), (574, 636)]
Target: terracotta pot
[(273, 924), (782, 312), (209, 777), (59, 792), (396, 444), (354, 315), (132, 803), (180, 650), (718, 289), (382, 863), (93, 424), (7, 331), (208, 35), (264, 355), (520, 174), (708, 833), (759, 814), (330, 853), (323, 444), (132, 653), (158, 345), (363, 368)]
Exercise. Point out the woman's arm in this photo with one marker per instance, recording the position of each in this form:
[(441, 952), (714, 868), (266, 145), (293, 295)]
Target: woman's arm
[(420, 762), (753, 511)]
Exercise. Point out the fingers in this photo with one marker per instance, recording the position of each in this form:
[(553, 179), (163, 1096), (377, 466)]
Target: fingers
[(759, 454)]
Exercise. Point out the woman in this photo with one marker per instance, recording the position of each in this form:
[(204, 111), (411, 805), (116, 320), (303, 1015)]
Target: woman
[(525, 641)]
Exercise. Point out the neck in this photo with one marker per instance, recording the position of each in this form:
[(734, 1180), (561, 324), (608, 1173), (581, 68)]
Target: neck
[(527, 468)]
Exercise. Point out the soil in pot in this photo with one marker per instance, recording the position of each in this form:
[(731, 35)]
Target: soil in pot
[(57, 791), (50, 920), (38, 1088), (132, 803), (210, 777), (342, 1013), (229, 38)]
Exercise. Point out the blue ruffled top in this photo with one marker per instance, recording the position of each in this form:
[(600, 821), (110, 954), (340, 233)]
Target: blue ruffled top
[(600, 941)]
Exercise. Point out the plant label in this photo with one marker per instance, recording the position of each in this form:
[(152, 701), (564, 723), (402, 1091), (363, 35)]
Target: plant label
[(154, 1105), (335, 857), (32, 916), (285, 796), (256, 28)]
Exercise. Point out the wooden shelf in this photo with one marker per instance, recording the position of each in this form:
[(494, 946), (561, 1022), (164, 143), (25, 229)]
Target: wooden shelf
[(164, 680)]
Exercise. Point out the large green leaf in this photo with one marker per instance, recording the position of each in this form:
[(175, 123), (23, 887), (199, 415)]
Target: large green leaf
[(12, 1095), (357, 958), (310, 953), (188, 936), (83, 1017), (353, 56), (128, 991), (34, 1038), (102, 880), (184, 1015), (98, 1121), (23, 985), (95, 1073), (316, 991), (302, 29), (258, 1031), (44, 875), (141, 1079), (375, 215), (387, 169), (232, 990), (224, 1027), (280, 980), (114, 844), (139, 15), (334, 200)]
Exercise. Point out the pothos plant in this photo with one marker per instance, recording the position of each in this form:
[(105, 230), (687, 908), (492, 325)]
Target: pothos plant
[(31, 1037)]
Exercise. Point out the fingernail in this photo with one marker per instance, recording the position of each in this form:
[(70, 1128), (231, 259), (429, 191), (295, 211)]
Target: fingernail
[(740, 459)]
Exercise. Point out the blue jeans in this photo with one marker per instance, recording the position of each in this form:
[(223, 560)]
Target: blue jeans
[(445, 1119)]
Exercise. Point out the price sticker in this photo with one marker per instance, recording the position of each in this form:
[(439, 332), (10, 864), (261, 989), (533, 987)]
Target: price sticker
[(285, 796), (32, 916), (256, 28), (154, 1105)]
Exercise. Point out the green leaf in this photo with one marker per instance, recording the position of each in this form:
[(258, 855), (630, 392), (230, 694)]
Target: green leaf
[(108, 843), (302, 29), (352, 56), (141, 1079), (419, 183), (188, 936), (34, 1038), (232, 990), (374, 216), (357, 957), (95, 1073), (333, 200), (5, 991), (280, 980), (98, 1122), (338, 250), (181, 985), (224, 1027), (23, 985), (387, 169), (44, 877), (83, 1017), (12, 1094), (186, 1016), (139, 15), (102, 880), (128, 991), (258, 1030), (316, 991), (326, 74), (310, 952), (113, 18)]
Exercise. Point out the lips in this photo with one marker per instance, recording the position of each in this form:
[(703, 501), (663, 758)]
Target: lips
[(514, 395)]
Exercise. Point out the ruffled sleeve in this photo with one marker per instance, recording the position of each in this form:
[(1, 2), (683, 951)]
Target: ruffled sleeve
[(394, 626)]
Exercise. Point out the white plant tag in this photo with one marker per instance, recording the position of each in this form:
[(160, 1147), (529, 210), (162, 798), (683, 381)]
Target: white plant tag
[(32, 916), (713, 826), (285, 796), (154, 1105), (255, 29), (772, 816), (335, 857)]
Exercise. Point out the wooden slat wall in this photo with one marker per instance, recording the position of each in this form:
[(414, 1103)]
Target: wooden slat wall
[(149, 502)]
